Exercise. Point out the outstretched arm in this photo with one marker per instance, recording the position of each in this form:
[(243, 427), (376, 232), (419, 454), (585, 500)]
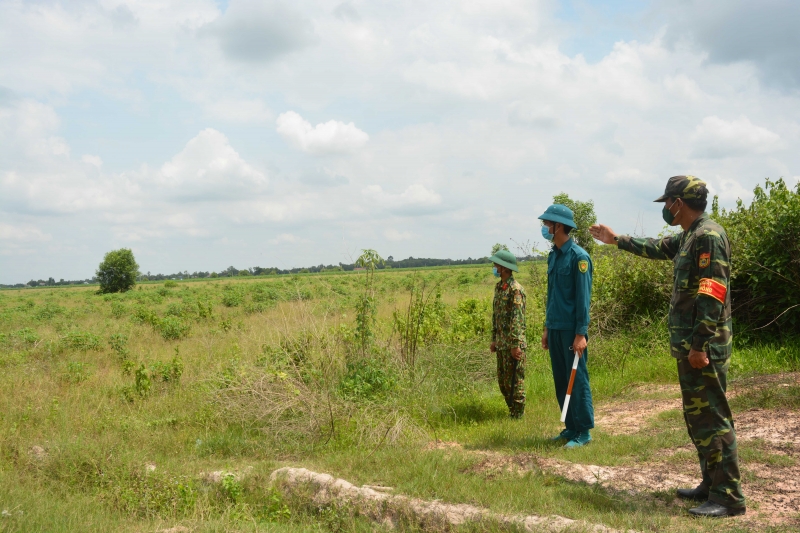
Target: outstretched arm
[(663, 248)]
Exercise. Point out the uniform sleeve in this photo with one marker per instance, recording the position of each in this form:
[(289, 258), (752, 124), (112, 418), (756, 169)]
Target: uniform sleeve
[(583, 294), (663, 248), (714, 272), (517, 336)]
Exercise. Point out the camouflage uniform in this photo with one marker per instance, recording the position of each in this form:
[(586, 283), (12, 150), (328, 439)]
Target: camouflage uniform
[(508, 331), (700, 319)]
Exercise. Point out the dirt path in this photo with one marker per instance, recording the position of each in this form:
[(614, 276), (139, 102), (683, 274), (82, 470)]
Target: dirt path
[(772, 486)]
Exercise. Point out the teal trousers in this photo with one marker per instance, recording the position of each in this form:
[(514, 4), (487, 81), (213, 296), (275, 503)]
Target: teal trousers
[(580, 415)]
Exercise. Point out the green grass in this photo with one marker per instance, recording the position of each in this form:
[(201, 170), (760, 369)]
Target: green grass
[(68, 384)]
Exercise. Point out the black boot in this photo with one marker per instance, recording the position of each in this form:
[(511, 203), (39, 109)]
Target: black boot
[(699, 493), (715, 510)]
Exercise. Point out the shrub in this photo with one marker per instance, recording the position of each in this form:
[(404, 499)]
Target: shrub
[(118, 309), (366, 378), (170, 284), (118, 271), (232, 296), (81, 340), (765, 263), (48, 311), (471, 319), (173, 328)]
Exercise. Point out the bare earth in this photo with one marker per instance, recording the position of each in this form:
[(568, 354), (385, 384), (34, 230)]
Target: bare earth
[(772, 491)]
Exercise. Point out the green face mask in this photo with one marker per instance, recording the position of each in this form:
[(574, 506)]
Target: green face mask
[(669, 218)]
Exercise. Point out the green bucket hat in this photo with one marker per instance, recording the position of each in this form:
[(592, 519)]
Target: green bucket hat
[(559, 213), (686, 187), (506, 259)]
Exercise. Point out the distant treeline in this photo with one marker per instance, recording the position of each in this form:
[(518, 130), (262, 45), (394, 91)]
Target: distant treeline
[(231, 271)]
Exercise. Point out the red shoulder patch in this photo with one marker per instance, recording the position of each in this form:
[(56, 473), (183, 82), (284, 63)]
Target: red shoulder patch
[(705, 260)]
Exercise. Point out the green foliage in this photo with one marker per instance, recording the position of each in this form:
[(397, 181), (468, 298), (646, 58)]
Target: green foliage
[(584, 217), (48, 311), (367, 378), (118, 309), (81, 340), (76, 372), (232, 296), (170, 284), (497, 247), (118, 271), (150, 494), (173, 328), (366, 307), (470, 320), (626, 287), (231, 487), (766, 256)]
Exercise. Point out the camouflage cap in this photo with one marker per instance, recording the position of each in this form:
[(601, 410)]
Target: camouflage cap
[(686, 187)]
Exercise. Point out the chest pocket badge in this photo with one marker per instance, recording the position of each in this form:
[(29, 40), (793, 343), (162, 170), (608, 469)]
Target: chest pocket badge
[(583, 266), (705, 260)]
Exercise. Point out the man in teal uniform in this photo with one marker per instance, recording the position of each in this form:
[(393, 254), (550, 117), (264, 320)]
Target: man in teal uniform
[(569, 291), (700, 332), (508, 332)]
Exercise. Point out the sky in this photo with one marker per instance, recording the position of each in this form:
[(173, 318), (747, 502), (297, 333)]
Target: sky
[(203, 134)]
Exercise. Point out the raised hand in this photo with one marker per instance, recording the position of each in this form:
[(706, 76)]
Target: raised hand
[(603, 233)]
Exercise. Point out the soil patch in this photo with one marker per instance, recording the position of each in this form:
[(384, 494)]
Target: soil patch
[(388, 508)]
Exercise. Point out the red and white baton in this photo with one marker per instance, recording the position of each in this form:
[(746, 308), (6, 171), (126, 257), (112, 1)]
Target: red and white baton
[(569, 387)]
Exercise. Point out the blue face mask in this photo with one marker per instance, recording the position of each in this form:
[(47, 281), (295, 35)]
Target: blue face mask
[(495, 272), (546, 233)]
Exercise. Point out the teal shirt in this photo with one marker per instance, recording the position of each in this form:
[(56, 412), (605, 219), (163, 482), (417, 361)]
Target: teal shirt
[(569, 288)]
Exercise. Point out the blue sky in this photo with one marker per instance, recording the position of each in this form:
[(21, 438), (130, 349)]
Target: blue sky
[(205, 133)]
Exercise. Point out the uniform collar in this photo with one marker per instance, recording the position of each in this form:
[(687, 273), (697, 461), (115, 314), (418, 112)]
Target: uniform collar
[(567, 246), (697, 222)]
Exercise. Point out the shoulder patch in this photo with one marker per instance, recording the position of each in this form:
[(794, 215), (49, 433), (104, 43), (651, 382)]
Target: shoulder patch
[(583, 266), (705, 260)]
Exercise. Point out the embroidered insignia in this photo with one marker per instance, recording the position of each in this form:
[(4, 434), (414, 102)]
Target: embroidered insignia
[(713, 288), (705, 260), (505, 286), (583, 266)]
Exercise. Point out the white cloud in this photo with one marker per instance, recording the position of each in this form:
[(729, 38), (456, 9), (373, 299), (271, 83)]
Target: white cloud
[(234, 110), (395, 235), (332, 137), (284, 238), (92, 160), (209, 168), (22, 234), (416, 197), (717, 138)]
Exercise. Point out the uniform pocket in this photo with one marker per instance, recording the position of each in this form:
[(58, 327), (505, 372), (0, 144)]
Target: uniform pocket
[(564, 275)]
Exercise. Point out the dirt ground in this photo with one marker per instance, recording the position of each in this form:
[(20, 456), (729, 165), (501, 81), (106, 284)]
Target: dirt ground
[(772, 488)]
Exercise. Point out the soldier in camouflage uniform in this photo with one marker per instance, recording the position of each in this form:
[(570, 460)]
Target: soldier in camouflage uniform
[(508, 332), (700, 336)]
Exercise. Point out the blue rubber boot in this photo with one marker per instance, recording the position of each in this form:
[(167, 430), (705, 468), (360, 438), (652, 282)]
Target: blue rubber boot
[(581, 439), (567, 434)]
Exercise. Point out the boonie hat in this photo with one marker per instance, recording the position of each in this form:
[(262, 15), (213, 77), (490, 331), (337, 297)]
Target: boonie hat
[(506, 259), (559, 213), (686, 187)]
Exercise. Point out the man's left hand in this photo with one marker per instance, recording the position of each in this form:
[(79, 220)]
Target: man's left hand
[(698, 359), (516, 353), (579, 344)]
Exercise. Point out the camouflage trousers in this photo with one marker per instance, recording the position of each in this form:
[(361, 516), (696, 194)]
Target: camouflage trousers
[(710, 425), (511, 378)]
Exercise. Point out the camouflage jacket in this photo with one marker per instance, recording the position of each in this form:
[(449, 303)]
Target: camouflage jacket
[(508, 315), (700, 308)]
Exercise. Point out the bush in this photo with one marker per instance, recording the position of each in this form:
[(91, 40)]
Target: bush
[(173, 328), (170, 284), (626, 287), (118, 271), (232, 296), (584, 217), (81, 340), (765, 273), (366, 378)]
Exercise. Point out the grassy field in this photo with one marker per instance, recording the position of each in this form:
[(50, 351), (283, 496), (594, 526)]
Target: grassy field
[(172, 403)]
